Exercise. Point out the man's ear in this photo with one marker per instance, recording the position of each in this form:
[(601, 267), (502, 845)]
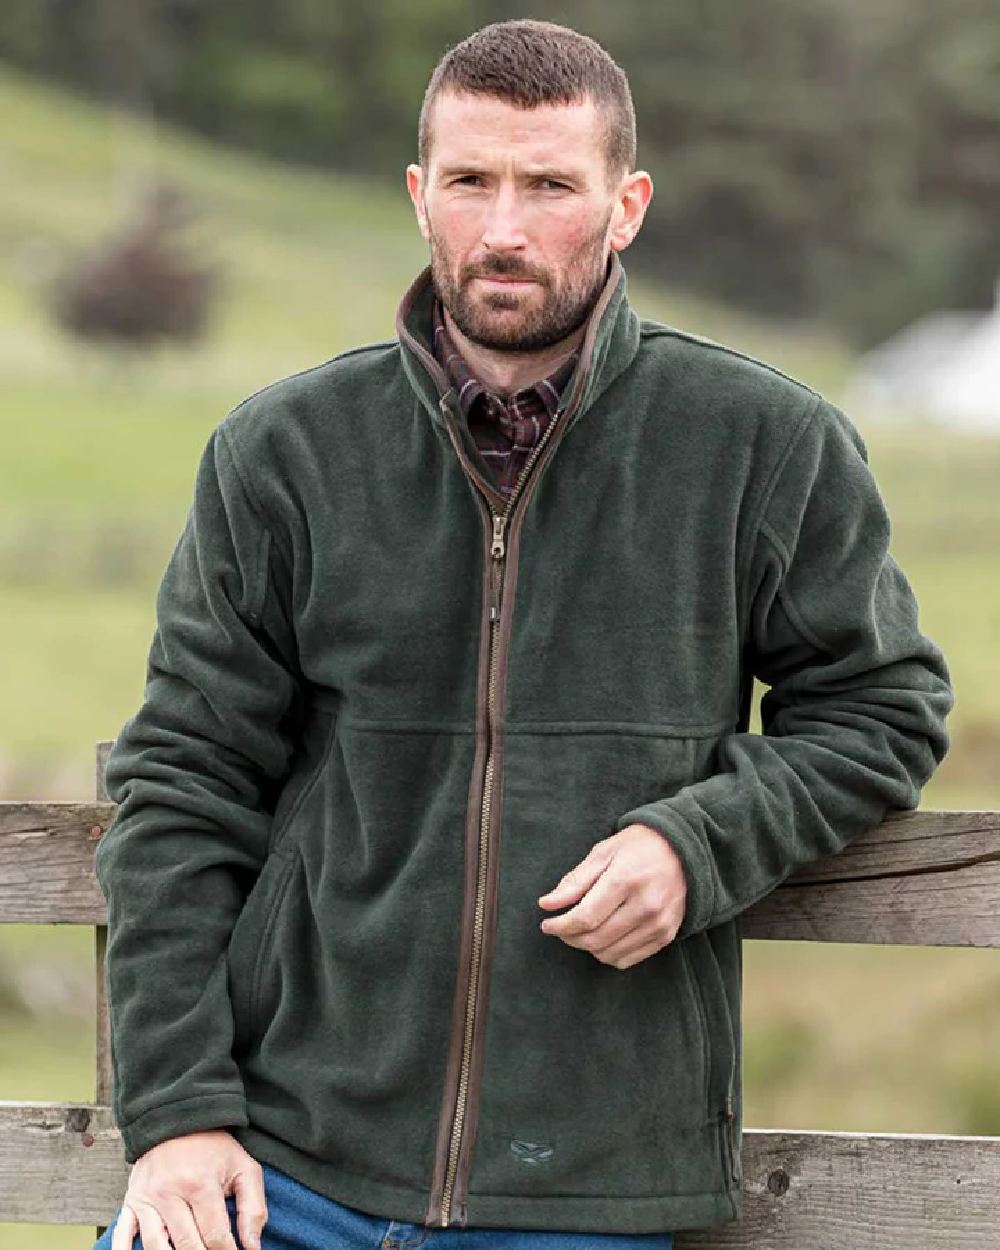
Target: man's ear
[(415, 186), (633, 198)]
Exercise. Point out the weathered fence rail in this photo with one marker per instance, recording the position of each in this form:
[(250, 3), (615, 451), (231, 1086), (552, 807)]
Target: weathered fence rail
[(922, 878)]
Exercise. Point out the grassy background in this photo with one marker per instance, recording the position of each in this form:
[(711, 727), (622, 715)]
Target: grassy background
[(99, 457)]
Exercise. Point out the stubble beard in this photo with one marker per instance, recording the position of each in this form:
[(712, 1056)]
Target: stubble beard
[(562, 311)]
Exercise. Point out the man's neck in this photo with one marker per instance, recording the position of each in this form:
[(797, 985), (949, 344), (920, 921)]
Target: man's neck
[(508, 372)]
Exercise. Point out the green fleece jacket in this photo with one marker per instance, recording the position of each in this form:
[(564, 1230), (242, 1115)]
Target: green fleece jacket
[(386, 710)]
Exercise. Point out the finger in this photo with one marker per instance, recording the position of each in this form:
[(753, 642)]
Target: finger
[(251, 1205), (628, 958), (641, 919), (151, 1229), (578, 879), (177, 1215), (210, 1214), (628, 925), (124, 1230), (601, 900)]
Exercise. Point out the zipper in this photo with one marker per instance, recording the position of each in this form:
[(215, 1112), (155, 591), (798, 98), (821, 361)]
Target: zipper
[(729, 1116), (499, 521), (498, 552)]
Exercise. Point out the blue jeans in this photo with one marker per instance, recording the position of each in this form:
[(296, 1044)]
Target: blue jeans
[(298, 1218)]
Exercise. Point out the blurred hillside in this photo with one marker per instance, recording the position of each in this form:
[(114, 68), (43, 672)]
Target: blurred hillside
[(99, 455), (836, 159), (101, 445)]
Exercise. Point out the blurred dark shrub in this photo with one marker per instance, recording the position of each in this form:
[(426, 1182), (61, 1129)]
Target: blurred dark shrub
[(143, 283)]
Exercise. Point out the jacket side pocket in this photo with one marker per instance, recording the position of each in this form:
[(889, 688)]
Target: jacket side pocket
[(710, 995), (703, 1026), (317, 743), (248, 940)]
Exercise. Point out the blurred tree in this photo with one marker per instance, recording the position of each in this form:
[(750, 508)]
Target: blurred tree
[(836, 158)]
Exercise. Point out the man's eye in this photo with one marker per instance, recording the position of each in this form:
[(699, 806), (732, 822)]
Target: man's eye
[(551, 183), (467, 179)]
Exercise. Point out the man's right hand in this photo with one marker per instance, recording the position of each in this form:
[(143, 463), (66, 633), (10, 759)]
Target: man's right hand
[(178, 1188)]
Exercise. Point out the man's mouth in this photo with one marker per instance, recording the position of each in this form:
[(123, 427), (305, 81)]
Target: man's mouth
[(504, 280)]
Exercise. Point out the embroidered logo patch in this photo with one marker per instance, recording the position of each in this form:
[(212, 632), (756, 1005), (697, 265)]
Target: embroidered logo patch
[(530, 1152)]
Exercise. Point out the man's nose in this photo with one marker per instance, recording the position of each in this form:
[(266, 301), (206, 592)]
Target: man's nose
[(503, 230)]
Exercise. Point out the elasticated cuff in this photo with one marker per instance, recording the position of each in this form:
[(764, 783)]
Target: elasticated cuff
[(186, 1115)]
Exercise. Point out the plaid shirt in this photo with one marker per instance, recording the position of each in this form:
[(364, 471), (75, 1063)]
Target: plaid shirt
[(505, 430)]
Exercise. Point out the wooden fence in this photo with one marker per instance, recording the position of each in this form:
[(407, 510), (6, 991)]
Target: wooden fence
[(922, 878)]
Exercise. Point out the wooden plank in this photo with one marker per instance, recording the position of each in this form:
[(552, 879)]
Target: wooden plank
[(63, 1163), (920, 878), (858, 1191), (47, 862), (60, 1163), (924, 878)]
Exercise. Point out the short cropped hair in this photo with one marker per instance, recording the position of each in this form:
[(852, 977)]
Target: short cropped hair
[(527, 63)]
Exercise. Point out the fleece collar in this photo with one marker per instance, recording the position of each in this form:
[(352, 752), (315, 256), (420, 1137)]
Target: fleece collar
[(609, 345)]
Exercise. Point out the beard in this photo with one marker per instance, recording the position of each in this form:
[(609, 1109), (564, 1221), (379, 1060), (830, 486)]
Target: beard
[(513, 322)]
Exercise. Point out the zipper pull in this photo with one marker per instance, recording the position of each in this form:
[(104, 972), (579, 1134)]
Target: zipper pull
[(497, 549), (497, 552)]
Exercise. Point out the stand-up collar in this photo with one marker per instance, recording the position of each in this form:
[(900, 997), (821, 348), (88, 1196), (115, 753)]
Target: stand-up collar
[(609, 344)]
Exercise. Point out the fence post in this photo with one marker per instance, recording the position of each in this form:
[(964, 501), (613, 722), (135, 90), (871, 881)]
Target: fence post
[(104, 1072)]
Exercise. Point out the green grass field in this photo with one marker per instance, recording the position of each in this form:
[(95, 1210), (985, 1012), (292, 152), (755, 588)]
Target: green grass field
[(98, 465)]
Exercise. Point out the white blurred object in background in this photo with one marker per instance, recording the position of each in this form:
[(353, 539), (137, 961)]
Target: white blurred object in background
[(944, 368)]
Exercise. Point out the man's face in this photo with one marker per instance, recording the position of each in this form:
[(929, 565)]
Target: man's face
[(516, 207)]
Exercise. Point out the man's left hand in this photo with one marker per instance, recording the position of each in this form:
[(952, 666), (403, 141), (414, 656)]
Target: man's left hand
[(631, 890)]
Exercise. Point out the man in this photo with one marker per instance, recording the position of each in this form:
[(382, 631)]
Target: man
[(441, 809)]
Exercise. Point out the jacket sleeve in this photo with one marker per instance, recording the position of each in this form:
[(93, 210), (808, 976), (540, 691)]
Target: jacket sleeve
[(854, 719), (192, 773)]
